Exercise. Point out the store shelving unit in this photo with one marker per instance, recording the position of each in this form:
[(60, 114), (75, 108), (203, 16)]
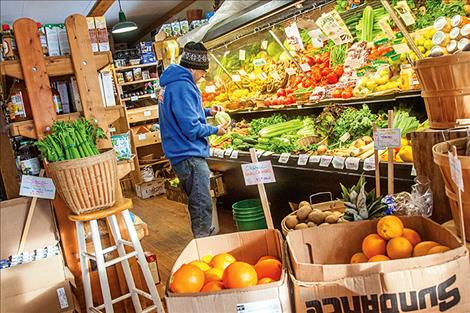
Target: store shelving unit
[(36, 70)]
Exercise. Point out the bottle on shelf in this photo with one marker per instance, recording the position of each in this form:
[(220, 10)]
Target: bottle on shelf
[(18, 107), (8, 43), (27, 158), (56, 100), (42, 38)]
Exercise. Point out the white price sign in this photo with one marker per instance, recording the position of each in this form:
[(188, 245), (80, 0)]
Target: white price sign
[(352, 163), (228, 152), (234, 154), (284, 158), (236, 78), (401, 48), (345, 137), (141, 137), (241, 55), (258, 173), (242, 72), (264, 44), (305, 67), (369, 164), (259, 153), (262, 76), (456, 170), (314, 159), (259, 62), (219, 153), (147, 113), (211, 152), (252, 76), (290, 71), (338, 162), (326, 160), (153, 96), (275, 75), (134, 98), (387, 138), (210, 89), (39, 187), (268, 153), (303, 159)]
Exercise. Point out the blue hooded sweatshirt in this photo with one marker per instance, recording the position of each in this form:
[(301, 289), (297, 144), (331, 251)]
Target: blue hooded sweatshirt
[(182, 118)]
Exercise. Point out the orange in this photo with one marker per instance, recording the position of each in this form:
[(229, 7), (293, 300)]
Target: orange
[(358, 258), (213, 274), (269, 268), (201, 264), (390, 227), (207, 258), (212, 286), (222, 260), (423, 247), (267, 257), (372, 245), (188, 278), (412, 236), (265, 280), (399, 248), (378, 258), (438, 249), (240, 275)]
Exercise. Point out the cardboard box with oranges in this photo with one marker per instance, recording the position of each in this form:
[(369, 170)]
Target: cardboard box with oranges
[(325, 281)]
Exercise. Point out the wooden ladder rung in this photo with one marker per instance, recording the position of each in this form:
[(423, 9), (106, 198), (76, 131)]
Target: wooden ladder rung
[(120, 259)]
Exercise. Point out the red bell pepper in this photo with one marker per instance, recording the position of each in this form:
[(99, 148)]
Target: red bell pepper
[(332, 78)]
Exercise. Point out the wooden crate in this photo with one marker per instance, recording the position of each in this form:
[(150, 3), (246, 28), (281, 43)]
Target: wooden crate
[(142, 114), (177, 194), (145, 139)]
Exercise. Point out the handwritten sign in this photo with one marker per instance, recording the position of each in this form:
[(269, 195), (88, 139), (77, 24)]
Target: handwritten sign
[(387, 138), (264, 44), (259, 62), (39, 187), (241, 55), (290, 71), (338, 162), (303, 159), (284, 158), (352, 163), (325, 160), (456, 170), (234, 154), (369, 164), (236, 78), (142, 136), (314, 159), (147, 113), (305, 67), (134, 98), (229, 151), (258, 173)]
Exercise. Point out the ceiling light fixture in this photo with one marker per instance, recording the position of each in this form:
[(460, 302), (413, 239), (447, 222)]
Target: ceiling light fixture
[(123, 26)]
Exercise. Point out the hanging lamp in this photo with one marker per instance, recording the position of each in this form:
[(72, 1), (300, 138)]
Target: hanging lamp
[(123, 26)]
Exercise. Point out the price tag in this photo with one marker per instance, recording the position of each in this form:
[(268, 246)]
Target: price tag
[(220, 153), (236, 78), (141, 137), (284, 158), (345, 137), (241, 55), (413, 170), (369, 164), (401, 48), (211, 152), (352, 163), (259, 153), (262, 76), (134, 98), (112, 129), (228, 152), (387, 138), (338, 162), (39, 187), (305, 67), (147, 113), (268, 153), (259, 62), (234, 154), (252, 76), (314, 159), (218, 83), (226, 53), (258, 173), (210, 89), (303, 159), (275, 75), (264, 44), (153, 96), (290, 71), (242, 72), (325, 160), (317, 38), (456, 170)]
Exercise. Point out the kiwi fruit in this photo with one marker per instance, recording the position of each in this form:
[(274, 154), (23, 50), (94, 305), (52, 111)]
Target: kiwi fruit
[(316, 217), (311, 224), (301, 226), (291, 221), (303, 203), (332, 219), (303, 212)]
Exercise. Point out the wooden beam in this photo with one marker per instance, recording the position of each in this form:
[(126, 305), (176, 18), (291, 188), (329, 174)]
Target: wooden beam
[(100, 7), (168, 15)]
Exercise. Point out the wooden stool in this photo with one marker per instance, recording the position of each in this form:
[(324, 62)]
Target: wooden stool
[(110, 214)]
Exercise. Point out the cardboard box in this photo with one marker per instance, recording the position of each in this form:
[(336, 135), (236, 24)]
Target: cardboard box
[(93, 33), (108, 89), (324, 281), (63, 39), (62, 88), (52, 37), (246, 246), (150, 189), (103, 40)]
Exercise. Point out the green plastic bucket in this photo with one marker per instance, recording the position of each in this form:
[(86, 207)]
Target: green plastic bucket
[(251, 224), (248, 215), (247, 205)]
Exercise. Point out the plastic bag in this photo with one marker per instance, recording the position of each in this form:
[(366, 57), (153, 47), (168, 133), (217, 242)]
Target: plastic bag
[(417, 203), (122, 145)]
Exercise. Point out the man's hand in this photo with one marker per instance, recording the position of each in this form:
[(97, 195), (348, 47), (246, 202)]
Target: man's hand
[(221, 129), (215, 109)]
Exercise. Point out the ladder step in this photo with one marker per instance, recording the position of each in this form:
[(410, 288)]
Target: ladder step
[(116, 300), (127, 243), (149, 309), (120, 259), (89, 255), (109, 249), (143, 293)]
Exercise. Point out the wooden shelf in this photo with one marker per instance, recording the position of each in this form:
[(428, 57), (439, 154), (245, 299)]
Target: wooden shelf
[(125, 68), (142, 114), (154, 163), (26, 128), (147, 139), (124, 167), (149, 95), (56, 66), (138, 81)]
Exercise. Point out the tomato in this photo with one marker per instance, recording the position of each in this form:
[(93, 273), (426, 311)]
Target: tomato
[(298, 80), (310, 60), (307, 83), (332, 78), (282, 100), (336, 93), (346, 94), (339, 70), (326, 71), (291, 100), (317, 59), (268, 102), (275, 101), (281, 92), (289, 91)]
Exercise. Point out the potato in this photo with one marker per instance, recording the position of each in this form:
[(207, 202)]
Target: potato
[(322, 149), (331, 219), (303, 212), (316, 217), (301, 226), (326, 213), (303, 203), (291, 221), (311, 224)]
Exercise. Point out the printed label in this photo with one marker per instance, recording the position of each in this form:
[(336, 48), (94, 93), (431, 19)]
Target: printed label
[(284, 158), (325, 160), (303, 159)]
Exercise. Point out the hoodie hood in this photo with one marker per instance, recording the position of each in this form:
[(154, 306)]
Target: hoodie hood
[(176, 73)]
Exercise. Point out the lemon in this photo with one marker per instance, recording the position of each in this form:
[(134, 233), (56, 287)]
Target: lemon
[(428, 44), (371, 85), (207, 258)]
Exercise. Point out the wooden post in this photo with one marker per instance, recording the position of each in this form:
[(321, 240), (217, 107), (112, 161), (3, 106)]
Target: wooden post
[(390, 173), (377, 166), (263, 195), (35, 75)]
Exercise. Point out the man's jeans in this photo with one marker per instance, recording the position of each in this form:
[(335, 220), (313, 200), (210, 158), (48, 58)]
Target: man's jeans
[(194, 176)]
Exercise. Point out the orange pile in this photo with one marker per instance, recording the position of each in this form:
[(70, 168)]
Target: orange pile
[(394, 241), (223, 271)]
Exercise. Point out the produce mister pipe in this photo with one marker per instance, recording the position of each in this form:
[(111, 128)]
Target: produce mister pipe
[(279, 42), (377, 165), (390, 174), (223, 68)]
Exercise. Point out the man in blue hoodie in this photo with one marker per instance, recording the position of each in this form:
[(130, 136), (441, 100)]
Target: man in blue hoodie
[(184, 132)]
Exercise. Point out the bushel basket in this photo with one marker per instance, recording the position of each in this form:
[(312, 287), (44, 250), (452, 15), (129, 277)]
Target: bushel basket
[(86, 184)]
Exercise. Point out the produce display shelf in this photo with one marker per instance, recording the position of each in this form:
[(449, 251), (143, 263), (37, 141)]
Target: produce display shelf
[(142, 114), (149, 95), (147, 139), (403, 171), (138, 81), (326, 102), (56, 65), (125, 68)]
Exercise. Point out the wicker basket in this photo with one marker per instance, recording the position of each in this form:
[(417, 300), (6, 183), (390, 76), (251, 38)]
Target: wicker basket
[(87, 184)]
